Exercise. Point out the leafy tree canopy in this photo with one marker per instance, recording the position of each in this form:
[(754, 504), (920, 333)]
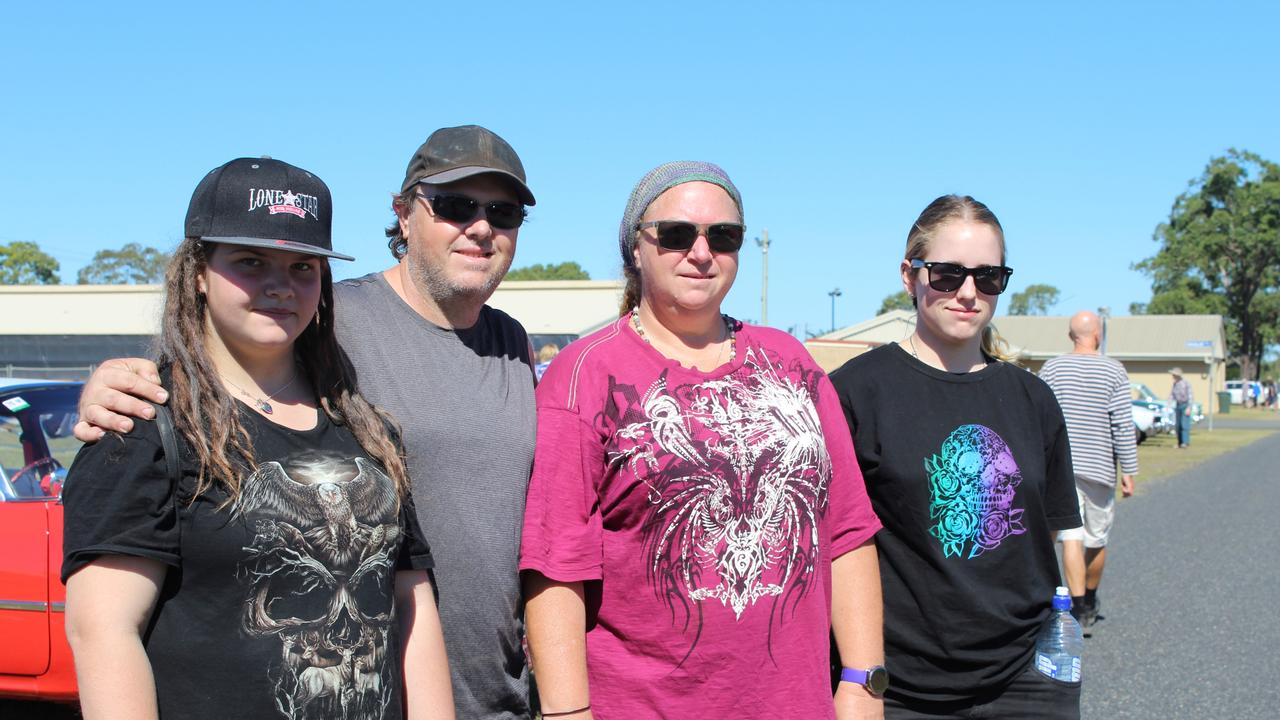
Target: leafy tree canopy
[(24, 263), (130, 265), (1035, 300), (562, 271), (897, 301), (1220, 253)]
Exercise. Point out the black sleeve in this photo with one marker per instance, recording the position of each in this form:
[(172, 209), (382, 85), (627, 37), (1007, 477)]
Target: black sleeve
[(415, 554), (119, 500), (1061, 507)]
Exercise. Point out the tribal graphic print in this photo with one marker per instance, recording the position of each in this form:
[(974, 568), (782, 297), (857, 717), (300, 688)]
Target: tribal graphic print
[(972, 484), (737, 472), (319, 579)]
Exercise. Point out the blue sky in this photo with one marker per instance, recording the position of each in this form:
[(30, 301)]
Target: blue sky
[(1077, 123)]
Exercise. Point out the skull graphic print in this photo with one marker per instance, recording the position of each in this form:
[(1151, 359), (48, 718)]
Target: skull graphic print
[(317, 578)]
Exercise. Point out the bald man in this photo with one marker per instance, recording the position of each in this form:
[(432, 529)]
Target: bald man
[(1094, 393)]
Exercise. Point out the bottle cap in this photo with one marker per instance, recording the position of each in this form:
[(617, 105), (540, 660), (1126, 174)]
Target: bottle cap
[(1061, 598)]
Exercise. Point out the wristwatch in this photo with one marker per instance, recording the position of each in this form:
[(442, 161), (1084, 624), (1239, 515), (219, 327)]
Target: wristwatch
[(875, 679)]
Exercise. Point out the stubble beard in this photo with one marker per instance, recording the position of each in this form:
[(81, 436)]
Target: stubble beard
[(432, 281)]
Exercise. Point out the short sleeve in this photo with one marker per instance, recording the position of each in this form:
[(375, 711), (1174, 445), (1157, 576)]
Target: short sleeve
[(852, 520), (1061, 507), (563, 534), (415, 553), (120, 500)]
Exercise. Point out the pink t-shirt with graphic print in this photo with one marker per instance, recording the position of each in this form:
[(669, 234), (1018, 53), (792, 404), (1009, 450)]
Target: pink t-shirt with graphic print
[(708, 507)]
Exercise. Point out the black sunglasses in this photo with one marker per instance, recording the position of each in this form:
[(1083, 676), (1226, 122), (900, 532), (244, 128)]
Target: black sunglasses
[(462, 209), (682, 234), (948, 277)]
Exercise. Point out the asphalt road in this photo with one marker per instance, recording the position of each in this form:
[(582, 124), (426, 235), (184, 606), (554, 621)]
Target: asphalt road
[(1190, 629)]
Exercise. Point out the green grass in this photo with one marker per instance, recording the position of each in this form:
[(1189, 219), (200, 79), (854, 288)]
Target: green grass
[(1159, 457), (1250, 414)]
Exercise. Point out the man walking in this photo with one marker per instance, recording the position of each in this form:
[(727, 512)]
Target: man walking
[(1094, 393), (1181, 396), (457, 375)]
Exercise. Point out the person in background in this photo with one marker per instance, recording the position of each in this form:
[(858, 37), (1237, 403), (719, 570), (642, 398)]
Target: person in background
[(545, 354), (458, 376), (696, 523), (967, 464), (277, 570), (1093, 391), (1181, 397)]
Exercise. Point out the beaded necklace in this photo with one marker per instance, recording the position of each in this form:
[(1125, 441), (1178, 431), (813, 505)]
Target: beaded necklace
[(728, 326)]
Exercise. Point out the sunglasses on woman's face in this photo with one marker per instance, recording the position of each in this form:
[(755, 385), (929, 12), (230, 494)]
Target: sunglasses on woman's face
[(681, 235), (462, 209), (948, 277)]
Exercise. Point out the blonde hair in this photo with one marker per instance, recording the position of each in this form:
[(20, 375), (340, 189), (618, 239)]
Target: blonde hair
[(922, 233), (548, 351)]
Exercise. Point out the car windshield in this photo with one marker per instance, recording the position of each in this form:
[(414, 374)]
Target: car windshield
[(1142, 392), (36, 444)]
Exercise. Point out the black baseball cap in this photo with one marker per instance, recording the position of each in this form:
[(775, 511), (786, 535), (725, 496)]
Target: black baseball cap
[(266, 203), (454, 153)]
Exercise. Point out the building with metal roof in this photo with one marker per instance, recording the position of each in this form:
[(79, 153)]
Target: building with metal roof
[(1148, 345)]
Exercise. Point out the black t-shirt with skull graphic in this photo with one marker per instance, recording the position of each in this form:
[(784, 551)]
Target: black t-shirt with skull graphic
[(277, 606), (970, 475)]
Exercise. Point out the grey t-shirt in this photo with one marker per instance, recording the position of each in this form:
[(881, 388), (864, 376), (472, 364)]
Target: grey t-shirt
[(465, 404)]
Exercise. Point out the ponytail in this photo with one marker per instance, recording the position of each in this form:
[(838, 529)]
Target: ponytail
[(630, 293), (995, 346)]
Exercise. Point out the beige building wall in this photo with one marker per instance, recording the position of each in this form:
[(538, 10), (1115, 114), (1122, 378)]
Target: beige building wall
[(80, 309), (553, 307)]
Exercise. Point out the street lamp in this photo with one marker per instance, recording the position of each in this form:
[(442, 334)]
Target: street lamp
[(834, 294), (763, 242), (1105, 314)]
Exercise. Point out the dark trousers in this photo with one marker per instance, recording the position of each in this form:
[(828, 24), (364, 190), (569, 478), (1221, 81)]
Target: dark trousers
[(1030, 695)]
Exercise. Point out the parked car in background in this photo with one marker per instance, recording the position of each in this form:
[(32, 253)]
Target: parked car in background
[(1162, 413), (1144, 422), (36, 446), (1236, 389)]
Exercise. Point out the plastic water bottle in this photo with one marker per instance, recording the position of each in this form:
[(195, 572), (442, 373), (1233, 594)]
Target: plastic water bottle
[(1061, 641)]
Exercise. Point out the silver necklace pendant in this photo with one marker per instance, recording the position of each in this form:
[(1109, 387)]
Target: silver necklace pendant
[(265, 406)]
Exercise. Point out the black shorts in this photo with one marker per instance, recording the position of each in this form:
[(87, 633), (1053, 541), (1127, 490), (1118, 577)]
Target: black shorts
[(1030, 695)]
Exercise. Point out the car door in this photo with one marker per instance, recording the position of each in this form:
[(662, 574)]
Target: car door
[(24, 587)]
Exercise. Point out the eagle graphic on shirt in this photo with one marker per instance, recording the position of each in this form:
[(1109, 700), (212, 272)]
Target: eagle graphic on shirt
[(326, 536), (736, 472)]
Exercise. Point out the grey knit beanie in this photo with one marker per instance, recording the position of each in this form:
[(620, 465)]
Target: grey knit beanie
[(659, 180)]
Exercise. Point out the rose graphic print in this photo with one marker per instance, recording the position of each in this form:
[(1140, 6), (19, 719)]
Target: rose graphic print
[(972, 485)]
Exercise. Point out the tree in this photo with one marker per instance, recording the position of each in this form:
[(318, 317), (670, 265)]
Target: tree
[(897, 301), (130, 265), (24, 263), (563, 271), (1035, 300), (1220, 253)]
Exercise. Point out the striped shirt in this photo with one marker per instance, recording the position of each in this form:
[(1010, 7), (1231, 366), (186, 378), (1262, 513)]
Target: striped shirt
[(1094, 393)]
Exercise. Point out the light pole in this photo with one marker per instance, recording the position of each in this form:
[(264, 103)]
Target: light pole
[(834, 294), (1105, 314), (763, 242)]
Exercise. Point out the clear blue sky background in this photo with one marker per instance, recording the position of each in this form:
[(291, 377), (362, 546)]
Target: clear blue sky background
[(1078, 123)]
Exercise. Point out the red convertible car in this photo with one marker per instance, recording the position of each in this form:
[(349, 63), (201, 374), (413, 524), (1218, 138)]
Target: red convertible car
[(36, 446)]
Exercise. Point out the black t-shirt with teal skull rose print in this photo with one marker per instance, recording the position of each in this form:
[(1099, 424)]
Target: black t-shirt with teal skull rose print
[(970, 475), (279, 605)]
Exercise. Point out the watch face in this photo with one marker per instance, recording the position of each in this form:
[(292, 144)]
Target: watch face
[(877, 680)]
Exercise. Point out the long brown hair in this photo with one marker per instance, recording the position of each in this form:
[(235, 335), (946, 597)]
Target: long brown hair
[(938, 213), (206, 414)]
